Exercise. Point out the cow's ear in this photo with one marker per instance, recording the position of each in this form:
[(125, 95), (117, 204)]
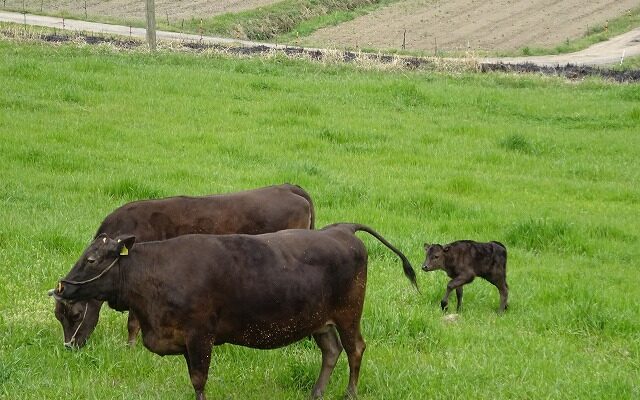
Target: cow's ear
[(124, 244), (446, 248)]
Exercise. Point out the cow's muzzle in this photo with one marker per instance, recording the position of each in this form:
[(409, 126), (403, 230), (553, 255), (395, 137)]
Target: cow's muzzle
[(56, 292)]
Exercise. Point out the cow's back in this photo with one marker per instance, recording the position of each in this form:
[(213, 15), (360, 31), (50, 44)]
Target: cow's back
[(257, 289), (255, 211)]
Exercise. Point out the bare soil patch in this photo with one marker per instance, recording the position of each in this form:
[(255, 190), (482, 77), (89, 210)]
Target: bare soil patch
[(472, 24), (175, 10)]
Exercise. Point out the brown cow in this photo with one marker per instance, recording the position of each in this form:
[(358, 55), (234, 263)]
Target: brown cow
[(463, 260), (263, 291), (263, 210)]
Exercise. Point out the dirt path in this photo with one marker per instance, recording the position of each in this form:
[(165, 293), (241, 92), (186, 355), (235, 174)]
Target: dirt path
[(602, 53), (610, 52), (472, 24)]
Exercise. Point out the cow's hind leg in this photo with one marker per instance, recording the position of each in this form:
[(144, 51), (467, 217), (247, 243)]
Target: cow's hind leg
[(331, 348), (133, 327), (354, 346), (198, 357)]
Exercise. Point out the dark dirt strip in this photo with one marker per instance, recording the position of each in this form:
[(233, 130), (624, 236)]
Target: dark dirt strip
[(572, 72)]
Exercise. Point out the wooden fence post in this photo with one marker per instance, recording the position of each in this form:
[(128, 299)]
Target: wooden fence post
[(151, 24)]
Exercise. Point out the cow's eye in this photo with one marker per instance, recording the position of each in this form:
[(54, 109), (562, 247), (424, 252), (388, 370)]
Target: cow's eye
[(91, 260)]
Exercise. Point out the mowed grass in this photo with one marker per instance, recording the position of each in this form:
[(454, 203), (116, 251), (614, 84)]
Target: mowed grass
[(546, 166)]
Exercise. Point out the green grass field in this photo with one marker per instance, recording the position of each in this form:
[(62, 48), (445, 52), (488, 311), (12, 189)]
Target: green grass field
[(548, 167)]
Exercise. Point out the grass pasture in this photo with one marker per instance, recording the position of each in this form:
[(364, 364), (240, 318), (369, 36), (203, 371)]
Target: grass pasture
[(546, 166)]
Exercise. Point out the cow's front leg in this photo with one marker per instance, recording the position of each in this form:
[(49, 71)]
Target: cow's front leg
[(454, 284), (133, 327), (198, 357)]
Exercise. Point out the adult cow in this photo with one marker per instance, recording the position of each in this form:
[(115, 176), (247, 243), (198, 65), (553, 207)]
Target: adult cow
[(263, 210), (263, 291)]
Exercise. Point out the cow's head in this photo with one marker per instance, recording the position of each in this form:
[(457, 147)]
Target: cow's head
[(92, 277), (434, 259), (78, 319)]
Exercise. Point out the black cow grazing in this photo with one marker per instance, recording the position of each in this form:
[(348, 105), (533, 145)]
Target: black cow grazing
[(463, 261), (263, 210), (263, 291)]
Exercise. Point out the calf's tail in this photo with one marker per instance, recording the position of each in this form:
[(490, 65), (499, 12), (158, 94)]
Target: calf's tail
[(406, 265)]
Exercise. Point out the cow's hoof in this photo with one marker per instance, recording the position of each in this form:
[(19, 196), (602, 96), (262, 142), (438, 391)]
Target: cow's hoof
[(444, 305)]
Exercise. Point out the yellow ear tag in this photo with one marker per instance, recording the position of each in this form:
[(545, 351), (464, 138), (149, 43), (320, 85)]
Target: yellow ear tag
[(124, 251)]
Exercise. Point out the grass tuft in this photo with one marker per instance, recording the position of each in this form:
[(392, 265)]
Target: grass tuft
[(130, 190), (519, 144), (544, 234)]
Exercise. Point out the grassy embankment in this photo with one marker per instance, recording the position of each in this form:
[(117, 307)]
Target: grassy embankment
[(286, 20), (545, 166)]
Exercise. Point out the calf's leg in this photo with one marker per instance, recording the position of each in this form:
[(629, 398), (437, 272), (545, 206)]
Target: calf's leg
[(504, 295), (198, 357), (501, 283), (459, 297), (331, 348), (455, 283), (133, 327)]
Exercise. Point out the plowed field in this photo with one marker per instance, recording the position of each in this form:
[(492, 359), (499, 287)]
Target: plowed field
[(474, 24)]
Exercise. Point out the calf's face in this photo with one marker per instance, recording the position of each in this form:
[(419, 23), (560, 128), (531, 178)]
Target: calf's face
[(434, 259)]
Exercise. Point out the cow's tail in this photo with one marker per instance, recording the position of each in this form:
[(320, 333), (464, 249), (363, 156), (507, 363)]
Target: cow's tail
[(406, 265), (302, 193)]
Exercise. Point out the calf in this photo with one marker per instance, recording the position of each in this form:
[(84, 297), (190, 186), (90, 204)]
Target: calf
[(263, 210), (263, 291), (463, 261)]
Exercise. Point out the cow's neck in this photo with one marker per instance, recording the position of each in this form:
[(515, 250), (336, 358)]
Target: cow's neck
[(131, 280), (124, 274), (136, 281)]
